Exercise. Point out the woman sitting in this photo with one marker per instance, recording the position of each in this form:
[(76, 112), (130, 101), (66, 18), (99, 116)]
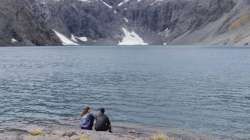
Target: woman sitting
[(87, 119)]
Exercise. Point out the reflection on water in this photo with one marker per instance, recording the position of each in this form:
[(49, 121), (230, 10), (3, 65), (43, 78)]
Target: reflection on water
[(199, 89)]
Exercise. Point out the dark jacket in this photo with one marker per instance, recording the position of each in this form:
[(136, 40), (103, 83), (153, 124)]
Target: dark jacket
[(87, 121), (102, 123)]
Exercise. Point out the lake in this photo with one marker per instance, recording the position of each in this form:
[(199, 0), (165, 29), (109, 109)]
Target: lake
[(204, 90)]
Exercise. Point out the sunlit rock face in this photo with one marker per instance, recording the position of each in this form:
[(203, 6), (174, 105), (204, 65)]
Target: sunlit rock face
[(103, 22)]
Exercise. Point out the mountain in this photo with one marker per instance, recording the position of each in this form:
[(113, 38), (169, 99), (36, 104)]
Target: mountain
[(124, 22), (21, 23)]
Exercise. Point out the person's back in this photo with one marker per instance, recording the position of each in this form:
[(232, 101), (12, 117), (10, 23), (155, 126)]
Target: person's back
[(102, 122), (87, 119)]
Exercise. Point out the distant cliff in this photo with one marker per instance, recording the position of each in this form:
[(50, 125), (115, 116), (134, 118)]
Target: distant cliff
[(21, 23), (111, 22)]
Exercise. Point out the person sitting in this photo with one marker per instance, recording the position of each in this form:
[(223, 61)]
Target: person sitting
[(102, 121), (87, 119)]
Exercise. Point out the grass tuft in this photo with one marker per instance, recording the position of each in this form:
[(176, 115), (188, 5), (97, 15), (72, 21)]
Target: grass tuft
[(36, 132), (159, 136), (84, 137)]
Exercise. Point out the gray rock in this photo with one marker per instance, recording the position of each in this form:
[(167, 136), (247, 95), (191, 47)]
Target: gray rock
[(23, 23)]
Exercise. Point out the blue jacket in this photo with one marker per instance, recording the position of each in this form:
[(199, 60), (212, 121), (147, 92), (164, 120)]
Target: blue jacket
[(87, 121)]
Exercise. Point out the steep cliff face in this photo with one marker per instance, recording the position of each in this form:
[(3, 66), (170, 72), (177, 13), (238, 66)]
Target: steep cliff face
[(171, 19), (109, 22), (21, 24), (231, 27), (95, 20)]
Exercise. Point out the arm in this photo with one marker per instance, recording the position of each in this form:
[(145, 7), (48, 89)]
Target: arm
[(109, 126)]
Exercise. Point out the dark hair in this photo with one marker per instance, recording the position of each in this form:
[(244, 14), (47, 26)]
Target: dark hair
[(85, 110), (102, 110)]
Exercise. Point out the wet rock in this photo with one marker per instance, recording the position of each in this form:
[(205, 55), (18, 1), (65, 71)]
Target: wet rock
[(58, 133), (69, 134), (75, 137)]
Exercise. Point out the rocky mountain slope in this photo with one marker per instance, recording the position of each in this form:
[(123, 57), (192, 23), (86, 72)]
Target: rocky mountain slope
[(21, 23), (124, 22)]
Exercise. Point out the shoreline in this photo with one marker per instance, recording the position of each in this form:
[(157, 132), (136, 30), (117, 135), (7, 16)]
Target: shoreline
[(120, 132)]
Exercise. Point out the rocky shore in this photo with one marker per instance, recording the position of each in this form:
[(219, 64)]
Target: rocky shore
[(72, 133)]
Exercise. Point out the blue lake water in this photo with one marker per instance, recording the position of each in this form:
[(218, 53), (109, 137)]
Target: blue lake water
[(204, 90)]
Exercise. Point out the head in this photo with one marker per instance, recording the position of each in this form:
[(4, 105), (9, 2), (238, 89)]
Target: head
[(101, 111), (86, 110)]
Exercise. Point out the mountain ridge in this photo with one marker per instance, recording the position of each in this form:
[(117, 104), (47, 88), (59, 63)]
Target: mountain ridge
[(112, 22)]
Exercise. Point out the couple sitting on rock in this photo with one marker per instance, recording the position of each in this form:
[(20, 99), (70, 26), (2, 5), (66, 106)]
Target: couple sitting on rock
[(102, 122)]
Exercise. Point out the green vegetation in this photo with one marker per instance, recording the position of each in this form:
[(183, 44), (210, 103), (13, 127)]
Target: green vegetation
[(36, 132), (159, 136), (83, 137)]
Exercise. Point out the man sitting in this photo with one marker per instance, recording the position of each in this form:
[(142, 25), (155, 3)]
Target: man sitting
[(102, 121)]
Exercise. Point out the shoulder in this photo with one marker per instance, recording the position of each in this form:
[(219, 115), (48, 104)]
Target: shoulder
[(91, 115), (105, 116)]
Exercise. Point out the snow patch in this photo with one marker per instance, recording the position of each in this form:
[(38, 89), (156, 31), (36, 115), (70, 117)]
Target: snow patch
[(126, 20), (123, 2), (109, 6), (73, 38), (131, 38), (84, 0), (13, 40), (84, 39), (65, 41), (76, 38)]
